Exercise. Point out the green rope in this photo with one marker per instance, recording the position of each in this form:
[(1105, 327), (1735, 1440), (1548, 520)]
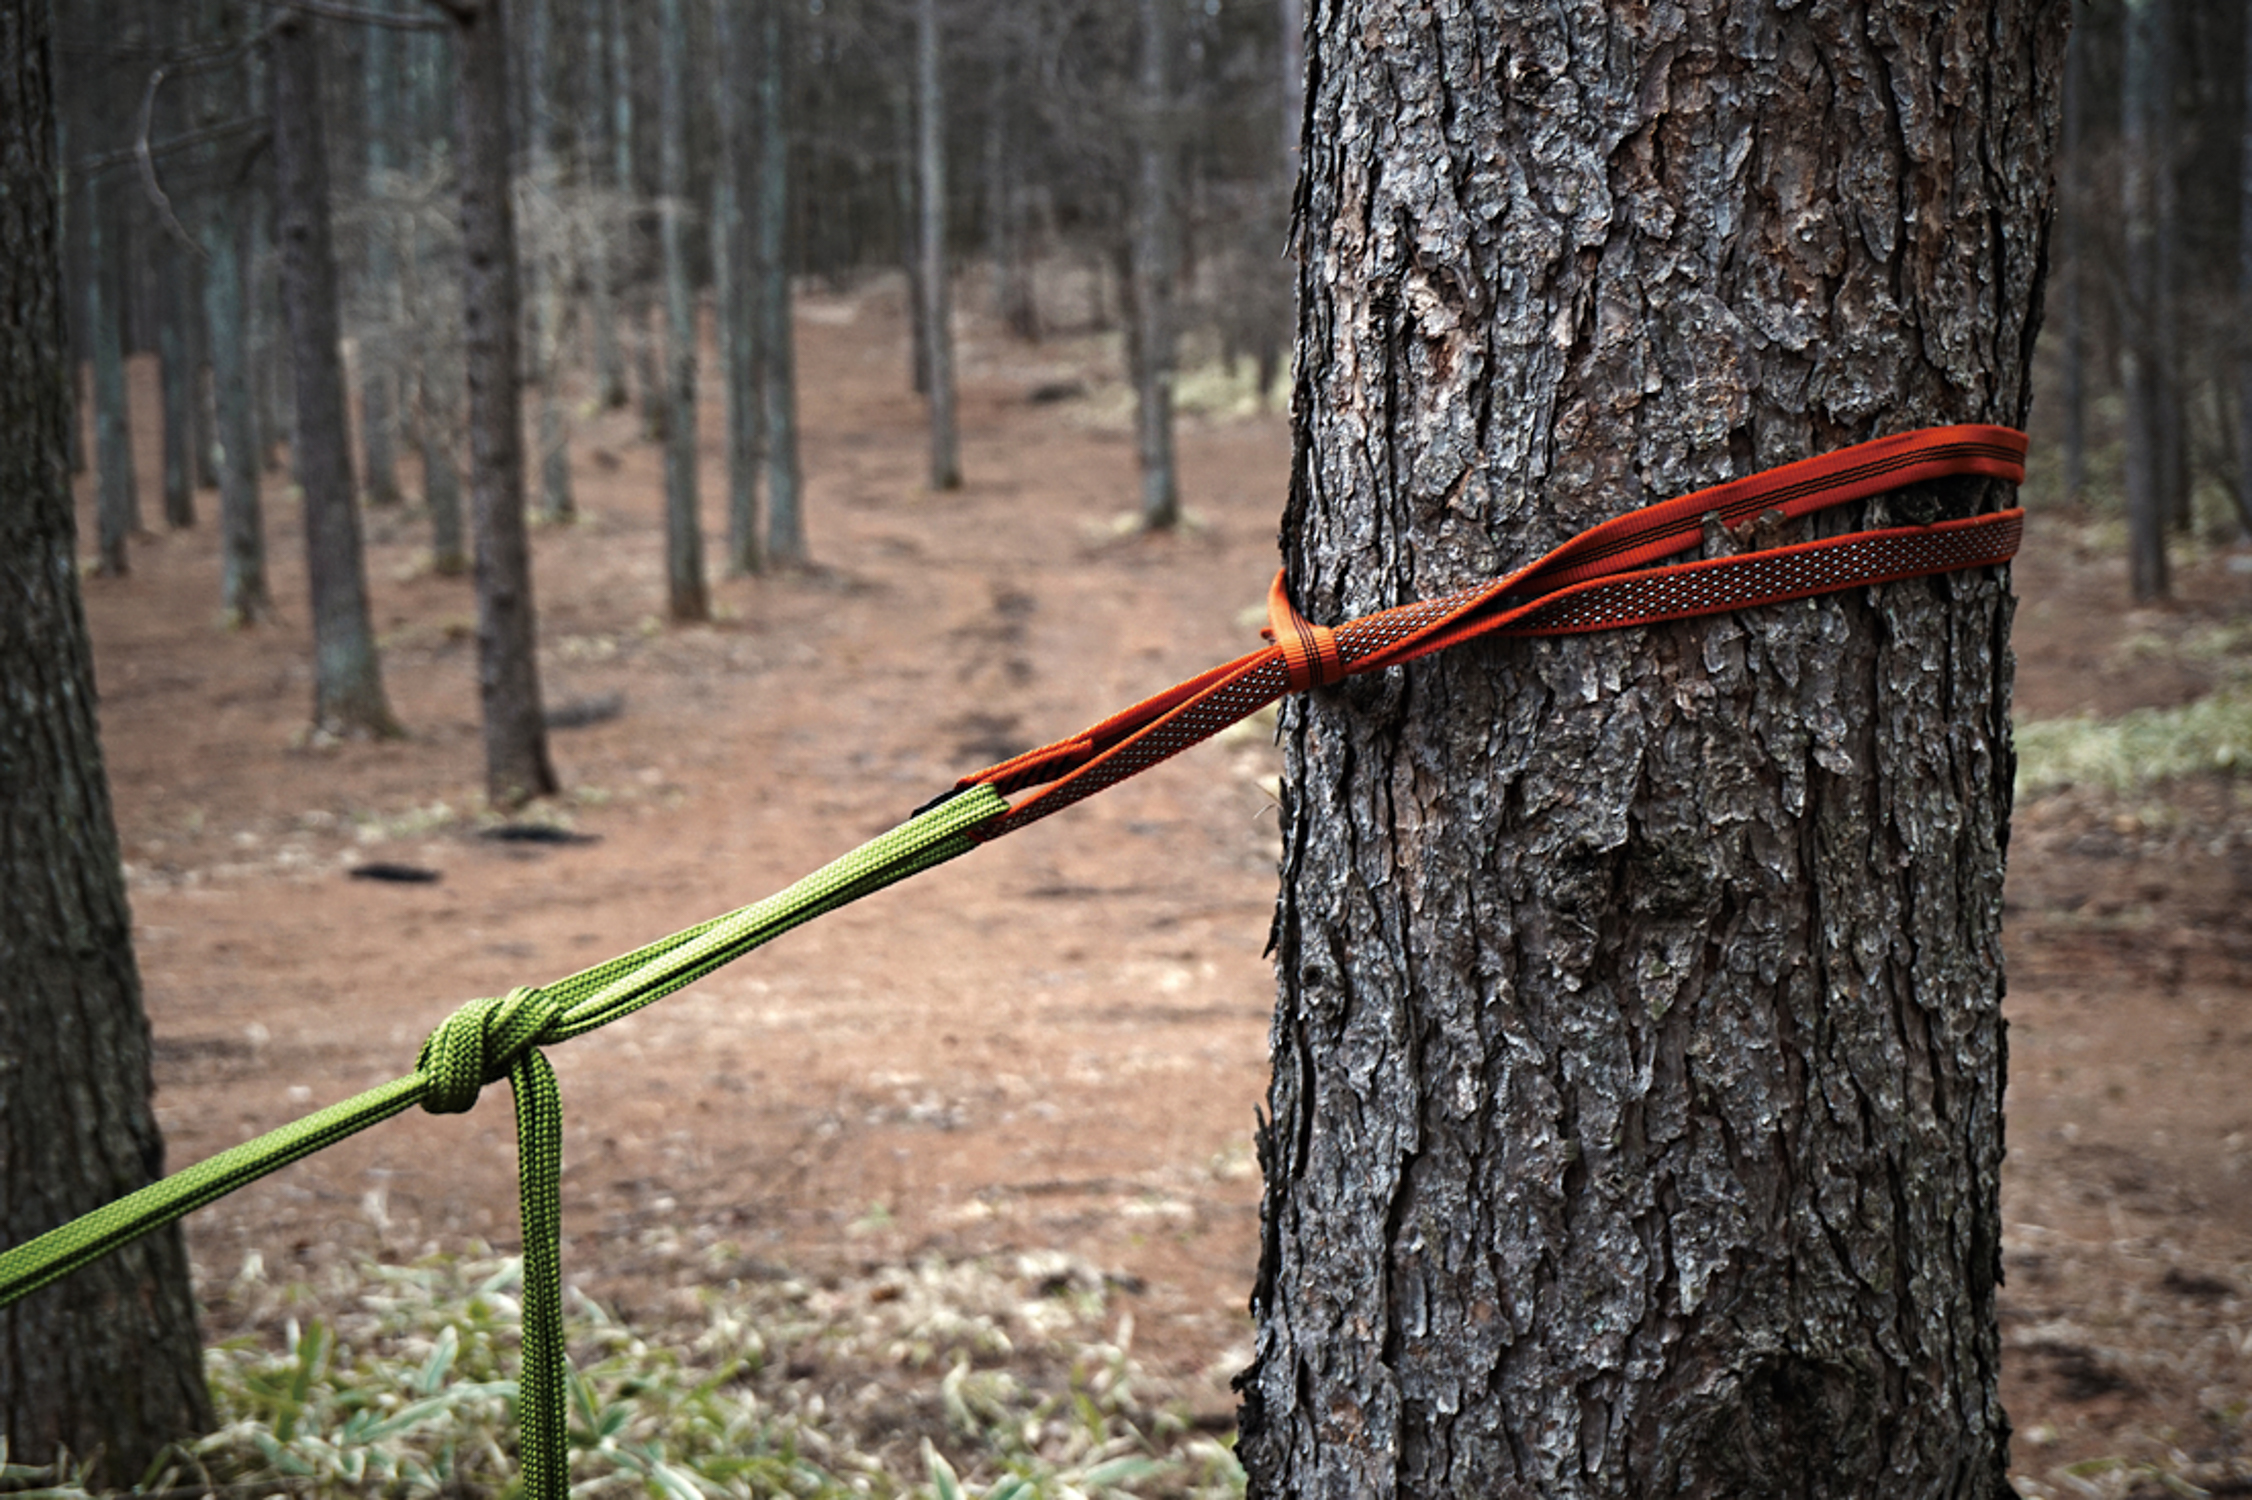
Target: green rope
[(487, 1040)]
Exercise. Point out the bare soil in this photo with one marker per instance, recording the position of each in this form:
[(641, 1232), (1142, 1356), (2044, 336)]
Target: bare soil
[(1058, 1042)]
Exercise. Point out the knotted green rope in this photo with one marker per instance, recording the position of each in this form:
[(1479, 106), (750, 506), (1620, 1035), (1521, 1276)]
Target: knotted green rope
[(487, 1040)]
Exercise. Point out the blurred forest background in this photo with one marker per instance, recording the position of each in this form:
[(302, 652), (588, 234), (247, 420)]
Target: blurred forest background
[(778, 321)]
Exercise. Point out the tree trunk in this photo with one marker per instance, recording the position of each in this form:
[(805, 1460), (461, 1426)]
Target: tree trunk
[(105, 1364), (2139, 366), (685, 595), (2244, 312), (551, 268), (778, 379), (1638, 1048), (225, 235), (2071, 276), (1154, 261), (734, 297), (909, 164), (937, 301), (347, 674), (2165, 308), (176, 369), (609, 355), (117, 498), (378, 364), (508, 683)]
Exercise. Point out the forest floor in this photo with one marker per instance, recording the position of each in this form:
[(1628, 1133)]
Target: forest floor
[(1059, 1043)]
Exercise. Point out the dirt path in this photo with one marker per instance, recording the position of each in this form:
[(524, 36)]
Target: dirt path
[(1060, 1041)]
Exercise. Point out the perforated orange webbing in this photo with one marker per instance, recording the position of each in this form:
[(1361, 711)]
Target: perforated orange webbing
[(1600, 580)]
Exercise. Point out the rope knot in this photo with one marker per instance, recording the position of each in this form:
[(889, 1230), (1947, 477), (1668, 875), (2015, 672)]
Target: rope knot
[(479, 1044)]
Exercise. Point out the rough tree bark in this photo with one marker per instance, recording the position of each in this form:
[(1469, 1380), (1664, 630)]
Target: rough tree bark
[(1636, 1120), (936, 308), (106, 1362), (347, 674), (685, 595), (517, 767)]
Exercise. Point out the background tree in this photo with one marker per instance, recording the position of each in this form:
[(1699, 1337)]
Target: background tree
[(105, 1364), (935, 303), (778, 377), (117, 503), (1638, 1052), (734, 296), (515, 730), (685, 596), (348, 693), (1155, 264)]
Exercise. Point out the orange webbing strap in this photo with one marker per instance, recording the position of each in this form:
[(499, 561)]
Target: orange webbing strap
[(1599, 580)]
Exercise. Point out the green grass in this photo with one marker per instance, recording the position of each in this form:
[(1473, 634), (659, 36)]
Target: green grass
[(2138, 749), (940, 1381)]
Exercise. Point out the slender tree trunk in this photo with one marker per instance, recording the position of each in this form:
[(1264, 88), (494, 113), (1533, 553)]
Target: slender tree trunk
[(551, 269), (2166, 306), (686, 598), (734, 293), (347, 674), (1155, 261), (2244, 312), (176, 370), (778, 380), (2071, 279), (937, 301), (508, 683), (378, 366), (617, 165), (2141, 374), (911, 249), (106, 1363), (1638, 1050), (117, 502), (1014, 297), (225, 235)]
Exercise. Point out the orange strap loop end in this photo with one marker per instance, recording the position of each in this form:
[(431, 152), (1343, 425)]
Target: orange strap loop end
[(1310, 654)]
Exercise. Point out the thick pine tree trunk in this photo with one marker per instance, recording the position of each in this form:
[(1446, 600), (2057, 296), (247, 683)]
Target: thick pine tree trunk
[(508, 683), (106, 1362), (1638, 1051), (347, 674)]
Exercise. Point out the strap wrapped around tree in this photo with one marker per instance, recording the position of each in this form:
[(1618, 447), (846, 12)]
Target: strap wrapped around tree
[(1606, 578)]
